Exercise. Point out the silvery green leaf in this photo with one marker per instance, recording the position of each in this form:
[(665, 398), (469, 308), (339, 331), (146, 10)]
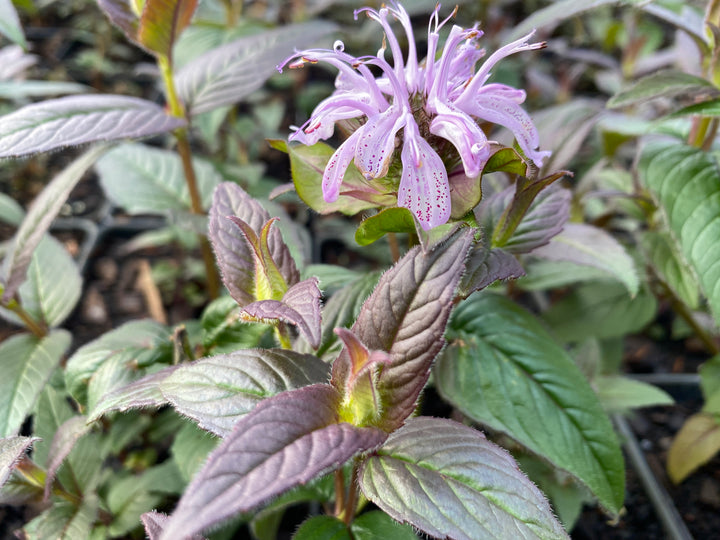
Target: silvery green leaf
[(286, 441), (11, 450), (145, 180), (449, 481), (62, 444), (231, 72), (10, 23), (73, 120), (38, 219), (27, 364)]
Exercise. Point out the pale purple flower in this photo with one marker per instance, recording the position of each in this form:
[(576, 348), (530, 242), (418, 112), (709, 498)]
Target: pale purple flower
[(445, 98)]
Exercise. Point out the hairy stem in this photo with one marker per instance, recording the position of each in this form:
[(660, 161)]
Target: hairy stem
[(183, 148), (339, 492), (348, 512)]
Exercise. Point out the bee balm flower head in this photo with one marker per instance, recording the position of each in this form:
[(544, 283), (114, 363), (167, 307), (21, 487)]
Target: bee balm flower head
[(416, 106)]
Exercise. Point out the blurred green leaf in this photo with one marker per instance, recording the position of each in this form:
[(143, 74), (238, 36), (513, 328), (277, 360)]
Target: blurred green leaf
[(663, 84), (671, 267), (10, 24), (619, 394), (388, 220), (694, 445)]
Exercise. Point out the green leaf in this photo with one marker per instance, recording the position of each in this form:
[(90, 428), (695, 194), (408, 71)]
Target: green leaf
[(65, 520), (601, 310), (307, 164), (40, 295), (136, 343), (10, 24), (161, 23), (27, 363), (222, 330), (325, 527), (694, 445), (21, 90), (670, 266), (375, 524), (504, 370), (190, 449), (619, 394), (706, 108), (388, 220), (686, 182), (589, 246), (543, 275), (145, 180), (449, 481), (663, 84), (10, 211), (710, 377), (11, 450), (37, 221)]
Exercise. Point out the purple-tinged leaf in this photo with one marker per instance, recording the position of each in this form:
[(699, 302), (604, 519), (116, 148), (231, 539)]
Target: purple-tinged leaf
[(589, 246), (63, 442), (27, 363), (10, 23), (161, 23), (486, 266), (287, 440), (11, 450), (229, 73), (235, 256), (217, 391), (73, 120), (140, 394), (406, 316), (121, 14), (155, 522), (38, 219), (299, 306), (449, 481), (526, 220)]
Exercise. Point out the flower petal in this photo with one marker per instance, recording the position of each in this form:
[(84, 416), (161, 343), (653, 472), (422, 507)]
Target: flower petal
[(424, 188), (337, 165), (469, 140), (377, 143)]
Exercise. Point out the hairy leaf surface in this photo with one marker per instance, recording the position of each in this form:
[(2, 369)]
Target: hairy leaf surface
[(43, 211), (234, 254), (406, 317), (231, 72), (486, 266), (27, 363), (686, 182), (139, 394), (503, 369), (73, 120), (145, 180), (11, 450), (449, 481), (287, 440), (217, 391)]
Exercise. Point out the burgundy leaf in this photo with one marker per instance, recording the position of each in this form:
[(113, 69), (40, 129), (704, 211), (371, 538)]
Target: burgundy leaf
[(234, 254), (287, 440), (11, 450), (486, 266), (227, 74), (38, 219), (62, 444), (67, 121), (121, 15), (406, 316), (300, 306), (162, 21), (155, 522)]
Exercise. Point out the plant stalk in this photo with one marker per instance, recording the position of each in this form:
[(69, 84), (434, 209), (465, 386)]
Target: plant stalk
[(348, 512), (183, 148), (38, 330), (339, 493)]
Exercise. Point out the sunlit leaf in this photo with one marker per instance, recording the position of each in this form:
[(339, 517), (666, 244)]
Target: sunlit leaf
[(449, 481), (27, 364), (503, 369), (619, 394), (73, 120), (145, 180), (686, 182), (287, 440), (587, 245), (231, 72), (693, 446), (388, 220), (161, 23), (38, 219), (406, 317)]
